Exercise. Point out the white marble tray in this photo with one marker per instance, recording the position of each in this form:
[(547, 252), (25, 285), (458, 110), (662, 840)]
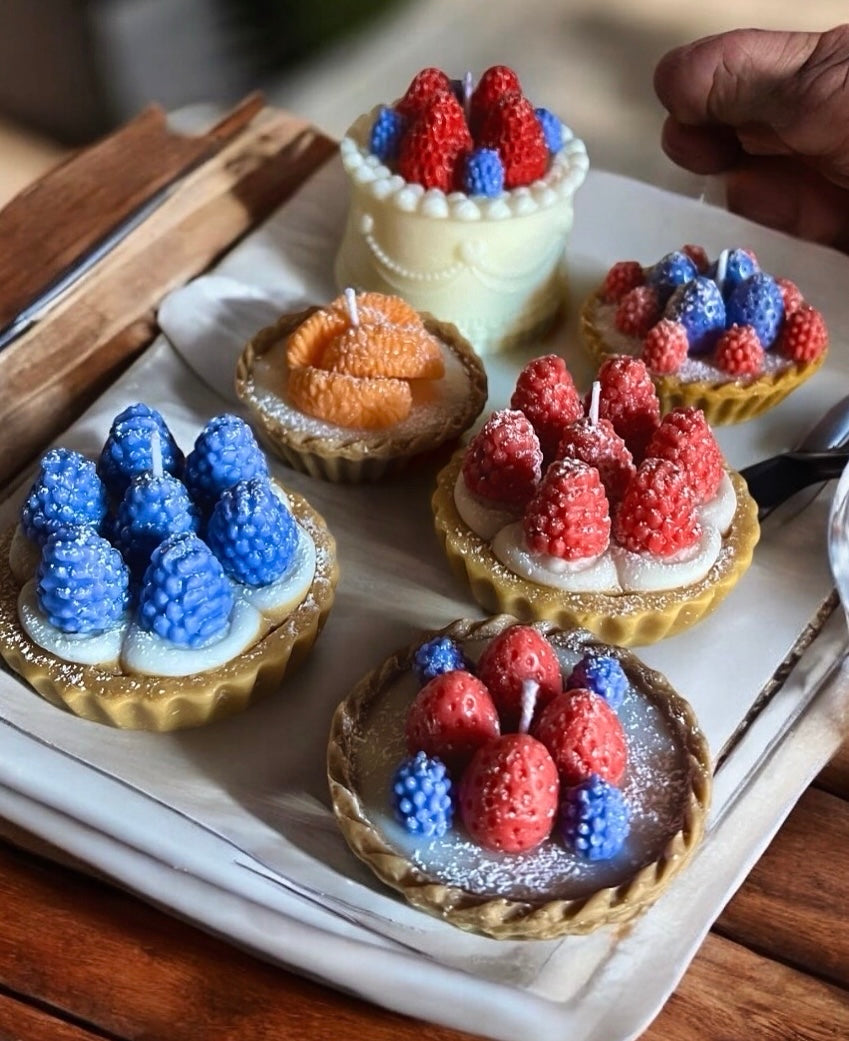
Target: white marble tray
[(230, 825)]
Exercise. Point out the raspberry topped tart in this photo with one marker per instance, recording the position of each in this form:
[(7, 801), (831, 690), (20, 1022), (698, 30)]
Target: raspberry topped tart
[(596, 512), (355, 390), (154, 591), (725, 336), (520, 781), (462, 203)]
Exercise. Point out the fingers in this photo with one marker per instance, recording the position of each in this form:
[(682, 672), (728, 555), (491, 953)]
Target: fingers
[(734, 78), (781, 194), (703, 150)]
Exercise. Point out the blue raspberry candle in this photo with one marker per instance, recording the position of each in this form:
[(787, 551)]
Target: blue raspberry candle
[(66, 491), (224, 453), (185, 596), (82, 582), (432, 658), (252, 533), (595, 819), (421, 796), (127, 451), (154, 506), (602, 674)]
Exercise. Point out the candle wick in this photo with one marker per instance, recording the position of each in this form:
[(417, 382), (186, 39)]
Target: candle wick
[(156, 454), (721, 269), (467, 94), (530, 690), (351, 301), (595, 400)]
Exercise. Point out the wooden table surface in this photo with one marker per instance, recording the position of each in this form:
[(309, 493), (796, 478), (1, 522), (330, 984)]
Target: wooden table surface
[(82, 960)]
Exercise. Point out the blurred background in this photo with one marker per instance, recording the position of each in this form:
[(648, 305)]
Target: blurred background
[(70, 70)]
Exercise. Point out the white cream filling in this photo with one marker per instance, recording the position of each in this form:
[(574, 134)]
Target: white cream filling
[(484, 520), (145, 653), (642, 573), (588, 575), (283, 595), (82, 648), (719, 511)]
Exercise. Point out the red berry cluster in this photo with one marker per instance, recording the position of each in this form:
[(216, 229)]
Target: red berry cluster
[(603, 480), (440, 131), (513, 738)]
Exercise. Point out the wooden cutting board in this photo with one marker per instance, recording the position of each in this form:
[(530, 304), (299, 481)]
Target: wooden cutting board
[(216, 186)]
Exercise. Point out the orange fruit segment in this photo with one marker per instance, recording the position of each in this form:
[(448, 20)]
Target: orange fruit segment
[(307, 343), (385, 350), (347, 400)]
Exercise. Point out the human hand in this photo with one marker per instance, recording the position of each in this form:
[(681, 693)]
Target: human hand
[(770, 111)]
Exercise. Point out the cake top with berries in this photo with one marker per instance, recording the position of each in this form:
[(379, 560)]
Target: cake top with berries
[(518, 770), (456, 148)]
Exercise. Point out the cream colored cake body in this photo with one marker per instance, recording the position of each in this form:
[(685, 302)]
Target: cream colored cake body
[(493, 267)]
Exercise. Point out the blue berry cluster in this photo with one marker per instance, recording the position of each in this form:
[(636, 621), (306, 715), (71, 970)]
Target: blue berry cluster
[(698, 305), (552, 129), (82, 583), (602, 674), (152, 508), (435, 656), (185, 596), (386, 133), (669, 272), (757, 301), (252, 533), (66, 491), (595, 819), (421, 791), (225, 452), (128, 450), (484, 173)]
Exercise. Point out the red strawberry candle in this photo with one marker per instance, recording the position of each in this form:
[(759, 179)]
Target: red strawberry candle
[(461, 202)]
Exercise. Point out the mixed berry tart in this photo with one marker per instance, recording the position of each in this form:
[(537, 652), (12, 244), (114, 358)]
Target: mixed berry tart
[(151, 590), (596, 511), (520, 781), (723, 335), (357, 389), (462, 202)]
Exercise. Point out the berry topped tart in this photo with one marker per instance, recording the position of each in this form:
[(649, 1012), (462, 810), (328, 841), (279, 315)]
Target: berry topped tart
[(723, 335), (461, 202), (596, 512), (520, 781), (355, 390), (155, 591)]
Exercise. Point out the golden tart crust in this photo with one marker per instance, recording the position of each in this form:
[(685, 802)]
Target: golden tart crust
[(337, 453), (723, 401), (161, 703), (625, 619), (545, 914)]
